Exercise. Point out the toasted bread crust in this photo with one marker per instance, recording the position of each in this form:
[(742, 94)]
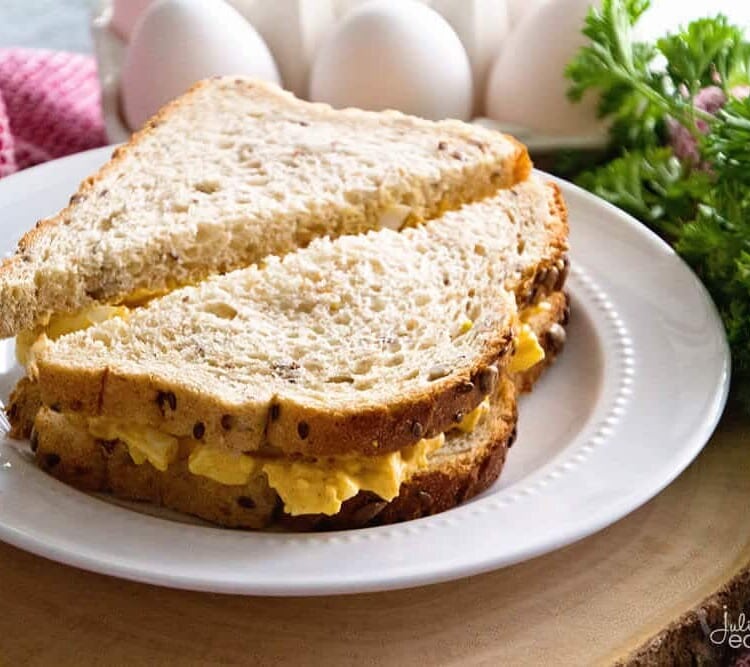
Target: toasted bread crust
[(23, 405), (26, 305)]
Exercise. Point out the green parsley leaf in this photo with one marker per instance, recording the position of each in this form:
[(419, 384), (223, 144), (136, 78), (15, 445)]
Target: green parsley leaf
[(701, 54), (653, 185), (727, 146)]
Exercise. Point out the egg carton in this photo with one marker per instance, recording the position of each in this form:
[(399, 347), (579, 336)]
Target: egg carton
[(110, 48)]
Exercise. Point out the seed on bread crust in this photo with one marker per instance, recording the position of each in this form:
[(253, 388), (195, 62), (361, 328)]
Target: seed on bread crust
[(566, 314), (425, 499), (166, 398), (199, 430), (303, 430), (227, 422), (556, 336), (438, 371), (246, 502), (458, 417), (51, 460), (551, 279), (417, 429), (563, 266), (465, 388), (107, 445), (368, 512), (487, 379)]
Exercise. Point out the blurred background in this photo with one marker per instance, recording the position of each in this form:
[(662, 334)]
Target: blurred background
[(50, 24)]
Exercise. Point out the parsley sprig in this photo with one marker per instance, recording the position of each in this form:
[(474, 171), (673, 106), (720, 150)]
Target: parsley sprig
[(699, 199)]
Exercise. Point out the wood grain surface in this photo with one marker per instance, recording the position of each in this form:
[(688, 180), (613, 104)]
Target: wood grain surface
[(632, 593)]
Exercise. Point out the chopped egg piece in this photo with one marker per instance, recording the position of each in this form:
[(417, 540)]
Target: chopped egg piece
[(59, 325), (528, 351), (306, 487), (470, 421), (144, 443), (321, 487), (222, 466)]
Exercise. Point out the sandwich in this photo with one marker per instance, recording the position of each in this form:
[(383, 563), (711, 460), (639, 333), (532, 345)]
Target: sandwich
[(265, 311), (361, 380)]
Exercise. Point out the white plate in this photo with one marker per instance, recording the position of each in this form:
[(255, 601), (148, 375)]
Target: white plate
[(630, 403)]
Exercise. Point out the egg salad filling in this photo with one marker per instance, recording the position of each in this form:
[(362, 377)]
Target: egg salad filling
[(59, 325), (305, 487), (65, 323)]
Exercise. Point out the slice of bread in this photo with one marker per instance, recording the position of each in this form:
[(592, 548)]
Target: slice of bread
[(236, 170), (532, 212), (364, 344)]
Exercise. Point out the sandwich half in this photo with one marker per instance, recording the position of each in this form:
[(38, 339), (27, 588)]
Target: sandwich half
[(361, 380), (231, 172)]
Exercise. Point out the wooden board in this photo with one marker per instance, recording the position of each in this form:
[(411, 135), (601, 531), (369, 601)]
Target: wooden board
[(629, 593)]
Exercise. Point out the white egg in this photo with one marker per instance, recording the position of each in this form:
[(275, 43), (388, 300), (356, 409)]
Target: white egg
[(178, 42), (388, 54), (293, 30), (481, 25), (518, 9), (342, 7), (527, 85), (125, 13)]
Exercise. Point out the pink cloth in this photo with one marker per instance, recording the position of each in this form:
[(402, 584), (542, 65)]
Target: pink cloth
[(49, 106)]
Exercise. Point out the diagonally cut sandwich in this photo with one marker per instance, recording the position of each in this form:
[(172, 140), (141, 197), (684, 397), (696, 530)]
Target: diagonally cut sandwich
[(361, 380), (231, 172)]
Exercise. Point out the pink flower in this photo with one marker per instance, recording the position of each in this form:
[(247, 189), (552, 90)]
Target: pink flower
[(684, 144)]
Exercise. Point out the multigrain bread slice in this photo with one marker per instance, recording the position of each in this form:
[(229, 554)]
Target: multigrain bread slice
[(463, 467), (360, 344), (533, 218), (236, 170), (466, 465), (531, 213), (548, 325)]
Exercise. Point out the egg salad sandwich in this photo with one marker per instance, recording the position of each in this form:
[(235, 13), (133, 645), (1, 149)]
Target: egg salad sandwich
[(361, 380)]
